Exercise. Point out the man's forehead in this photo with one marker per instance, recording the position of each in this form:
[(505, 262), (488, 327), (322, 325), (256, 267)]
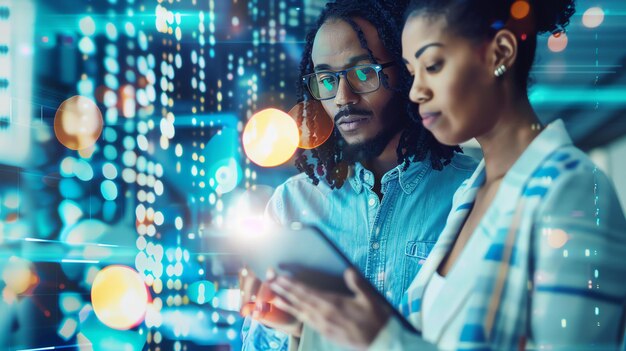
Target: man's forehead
[(337, 45), (336, 63)]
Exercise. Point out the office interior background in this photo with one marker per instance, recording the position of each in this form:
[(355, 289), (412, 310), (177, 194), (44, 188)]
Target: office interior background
[(143, 209)]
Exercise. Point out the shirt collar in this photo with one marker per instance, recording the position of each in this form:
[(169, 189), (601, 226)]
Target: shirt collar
[(408, 179)]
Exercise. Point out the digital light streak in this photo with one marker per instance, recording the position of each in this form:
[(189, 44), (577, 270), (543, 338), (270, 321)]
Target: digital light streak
[(66, 243), (60, 347), (68, 260)]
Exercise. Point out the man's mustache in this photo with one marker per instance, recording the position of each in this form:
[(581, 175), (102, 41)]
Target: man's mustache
[(347, 111)]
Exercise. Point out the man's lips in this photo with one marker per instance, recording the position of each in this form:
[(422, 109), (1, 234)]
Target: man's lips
[(351, 123), (352, 119)]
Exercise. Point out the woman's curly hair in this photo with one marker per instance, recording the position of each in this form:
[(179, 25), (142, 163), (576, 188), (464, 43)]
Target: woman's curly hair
[(481, 19)]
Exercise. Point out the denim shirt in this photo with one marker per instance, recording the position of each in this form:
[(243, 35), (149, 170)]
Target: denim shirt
[(388, 239)]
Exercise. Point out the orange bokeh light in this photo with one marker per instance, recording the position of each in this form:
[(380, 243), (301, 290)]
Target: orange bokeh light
[(557, 42), (557, 238), (19, 276), (520, 9), (78, 123), (270, 138), (119, 297), (313, 122)]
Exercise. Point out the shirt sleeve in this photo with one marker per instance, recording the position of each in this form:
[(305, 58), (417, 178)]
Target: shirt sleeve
[(256, 336), (579, 295), (275, 208)]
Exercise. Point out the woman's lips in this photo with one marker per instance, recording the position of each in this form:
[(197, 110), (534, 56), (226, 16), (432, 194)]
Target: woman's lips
[(429, 118)]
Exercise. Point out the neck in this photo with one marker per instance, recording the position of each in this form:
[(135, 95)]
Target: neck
[(386, 161), (506, 141)]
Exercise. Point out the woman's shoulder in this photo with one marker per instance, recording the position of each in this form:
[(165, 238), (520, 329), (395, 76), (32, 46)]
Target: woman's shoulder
[(575, 190), (567, 165)]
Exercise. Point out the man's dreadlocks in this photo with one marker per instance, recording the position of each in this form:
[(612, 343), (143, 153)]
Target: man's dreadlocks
[(416, 143)]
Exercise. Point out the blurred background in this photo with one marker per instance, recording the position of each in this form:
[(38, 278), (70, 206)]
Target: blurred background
[(122, 171)]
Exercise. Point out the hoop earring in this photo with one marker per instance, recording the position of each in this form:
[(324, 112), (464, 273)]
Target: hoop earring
[(500, 71)]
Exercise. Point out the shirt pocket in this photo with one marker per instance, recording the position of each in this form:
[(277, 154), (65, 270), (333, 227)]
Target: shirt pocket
[(415, 254)]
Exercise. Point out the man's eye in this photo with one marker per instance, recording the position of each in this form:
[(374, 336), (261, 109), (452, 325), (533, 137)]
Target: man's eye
[(328, 83), (362, 73)]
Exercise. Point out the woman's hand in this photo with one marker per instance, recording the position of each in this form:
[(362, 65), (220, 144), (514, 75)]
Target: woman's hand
[(257, 301), (352, 321)]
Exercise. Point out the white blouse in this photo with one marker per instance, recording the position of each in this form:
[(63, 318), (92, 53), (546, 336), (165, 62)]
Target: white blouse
[(430, 295)]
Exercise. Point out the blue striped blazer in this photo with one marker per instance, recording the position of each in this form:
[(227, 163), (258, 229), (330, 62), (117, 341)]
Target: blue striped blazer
[(545, 268)]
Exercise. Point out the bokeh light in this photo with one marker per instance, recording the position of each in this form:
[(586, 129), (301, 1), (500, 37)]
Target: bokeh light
[(593, 17), (119, 297), (78, 123), (93, 335), (557, 238), (18, 276), (245, 211), (201, 292), (270, 138), (87, 46), (228, 175), (557, 42), (87, 25), (520, 9), (314, 124), (109, 190)]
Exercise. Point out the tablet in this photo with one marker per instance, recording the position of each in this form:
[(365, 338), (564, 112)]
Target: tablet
[(303, 253)]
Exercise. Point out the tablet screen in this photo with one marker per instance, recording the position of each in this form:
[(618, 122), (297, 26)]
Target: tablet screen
[(301, 252)]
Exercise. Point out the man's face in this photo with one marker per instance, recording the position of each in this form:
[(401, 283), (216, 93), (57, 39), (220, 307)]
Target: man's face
[(360, 118)]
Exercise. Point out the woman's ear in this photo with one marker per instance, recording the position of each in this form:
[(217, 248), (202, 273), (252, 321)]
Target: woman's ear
[(504, 50)]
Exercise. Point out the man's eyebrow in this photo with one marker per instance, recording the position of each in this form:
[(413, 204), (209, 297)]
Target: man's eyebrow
[(351, 62), (419, 52)]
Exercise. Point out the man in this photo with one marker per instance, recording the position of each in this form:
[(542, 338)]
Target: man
[(381, 186)]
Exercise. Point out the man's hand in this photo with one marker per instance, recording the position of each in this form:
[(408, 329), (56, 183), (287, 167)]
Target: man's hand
[(257, 301), (352, 321)]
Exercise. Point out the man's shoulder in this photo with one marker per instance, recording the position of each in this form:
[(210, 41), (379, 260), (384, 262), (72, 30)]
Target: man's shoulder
[(302, 182), (452, 176), (300, 179)]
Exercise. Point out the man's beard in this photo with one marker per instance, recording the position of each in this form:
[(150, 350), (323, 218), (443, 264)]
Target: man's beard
[(393, 122)]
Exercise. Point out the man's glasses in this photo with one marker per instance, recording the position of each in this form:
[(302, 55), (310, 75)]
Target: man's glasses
[(362, 79)]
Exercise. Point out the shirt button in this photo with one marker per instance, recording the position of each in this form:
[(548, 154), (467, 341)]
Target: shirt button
[(274, 344), (375, 246), (367, 177), (372, 201)]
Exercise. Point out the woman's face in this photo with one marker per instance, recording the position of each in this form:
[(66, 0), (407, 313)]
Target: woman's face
[(453, 80)]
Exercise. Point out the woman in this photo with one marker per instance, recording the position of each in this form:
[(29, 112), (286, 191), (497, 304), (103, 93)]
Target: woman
[(532, 255)]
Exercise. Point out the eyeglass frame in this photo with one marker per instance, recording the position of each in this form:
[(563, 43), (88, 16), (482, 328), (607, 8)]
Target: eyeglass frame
[(344, 73)]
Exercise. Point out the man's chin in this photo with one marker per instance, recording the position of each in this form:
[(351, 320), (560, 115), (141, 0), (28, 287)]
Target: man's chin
[(361, 148), (357, 138)]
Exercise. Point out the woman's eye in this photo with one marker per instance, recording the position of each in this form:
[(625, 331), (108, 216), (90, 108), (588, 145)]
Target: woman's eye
[(434, 68)]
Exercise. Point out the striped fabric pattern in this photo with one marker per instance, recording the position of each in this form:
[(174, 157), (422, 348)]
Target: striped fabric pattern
[(546, 265)]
